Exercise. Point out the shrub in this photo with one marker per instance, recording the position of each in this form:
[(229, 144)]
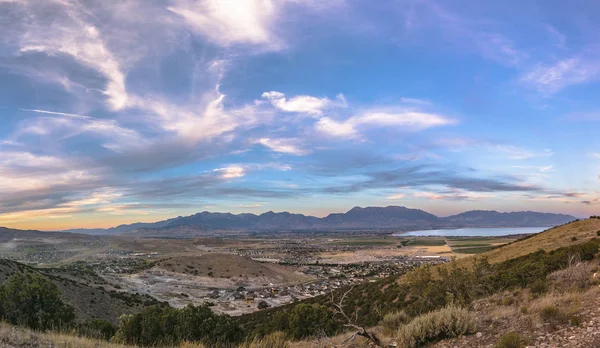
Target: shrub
[(392, 321), (450, 321), (573, 239), (308, 320), (160, 326), (598, 233), (33, 300), (576, 276), (553, 315), (538, 287), (96, 329), (511, 340), (273, 340)]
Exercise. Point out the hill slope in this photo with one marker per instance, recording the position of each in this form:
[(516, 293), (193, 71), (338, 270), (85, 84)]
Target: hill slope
[(89, 302), (551, 239)]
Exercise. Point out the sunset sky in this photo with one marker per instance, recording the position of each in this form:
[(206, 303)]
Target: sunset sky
[(120, 111)]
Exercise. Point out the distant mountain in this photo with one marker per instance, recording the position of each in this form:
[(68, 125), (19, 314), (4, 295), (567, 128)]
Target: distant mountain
[(380, 217), (9, 234), (492, 218), (357, 218)]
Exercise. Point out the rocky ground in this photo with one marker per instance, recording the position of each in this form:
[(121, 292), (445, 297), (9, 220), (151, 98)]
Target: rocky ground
[(495, 321)]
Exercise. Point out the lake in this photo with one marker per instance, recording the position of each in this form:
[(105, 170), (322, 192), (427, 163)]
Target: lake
[(473, 232)]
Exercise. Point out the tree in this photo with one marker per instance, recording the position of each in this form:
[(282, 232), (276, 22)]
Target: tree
[(98, 329), (351, 321), (159, 326), (34, 301), (309, 320)]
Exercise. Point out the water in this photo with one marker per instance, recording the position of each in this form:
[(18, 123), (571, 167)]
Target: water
[(473, 232)]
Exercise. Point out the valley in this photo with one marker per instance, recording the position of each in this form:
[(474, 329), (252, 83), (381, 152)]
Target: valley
[(250, 277)]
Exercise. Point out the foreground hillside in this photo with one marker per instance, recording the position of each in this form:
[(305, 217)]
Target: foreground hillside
[(90, 297)]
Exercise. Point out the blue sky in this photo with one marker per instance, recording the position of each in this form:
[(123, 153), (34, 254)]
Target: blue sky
[(115, 112)]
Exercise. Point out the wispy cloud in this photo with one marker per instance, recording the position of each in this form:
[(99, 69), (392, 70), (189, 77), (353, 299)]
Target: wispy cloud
[(304, 103), (405, 120), (288, 145), (231, 22), (231, 172), (455, 195), (516, 153), (553, 77)]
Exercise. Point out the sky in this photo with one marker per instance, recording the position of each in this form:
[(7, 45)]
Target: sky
[(139, 110)]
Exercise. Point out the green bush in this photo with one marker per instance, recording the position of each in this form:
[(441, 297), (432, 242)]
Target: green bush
[(96, 329), (33, 300), (160, 326), (511, 340), (555, 316), (308, 320), (392, 321), (450, 321), (539, 287)]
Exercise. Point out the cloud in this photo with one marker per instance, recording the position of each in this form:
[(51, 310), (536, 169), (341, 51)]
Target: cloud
[(284, 145), (250, 205), (516, 153), (543, 169), (62, 126), (231, 22), (334, 128), (469, 33), (405, 120), (455, 195), (397, 196), (303, 103), (552, 78), (69, 34), (231, 172)]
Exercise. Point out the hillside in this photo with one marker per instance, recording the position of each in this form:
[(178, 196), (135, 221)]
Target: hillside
[(12, 236), (572, 233), (232, 266), (357, 218), (90, 297)]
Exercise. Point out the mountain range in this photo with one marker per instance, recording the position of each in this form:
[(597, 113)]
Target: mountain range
[(357, 218)]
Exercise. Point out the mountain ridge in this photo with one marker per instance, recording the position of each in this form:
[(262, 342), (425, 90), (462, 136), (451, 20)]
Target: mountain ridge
[(357, 218)]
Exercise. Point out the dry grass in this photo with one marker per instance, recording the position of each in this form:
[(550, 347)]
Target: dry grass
[(229, 266), (554, 238), (563, 300), (392, 321), (273, 340), (342, 340), (576, 277), (450, 321), (11, 336)]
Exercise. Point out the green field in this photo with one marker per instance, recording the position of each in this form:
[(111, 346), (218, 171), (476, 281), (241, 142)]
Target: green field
[(435, 241), (459, 245), (365, 241)]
